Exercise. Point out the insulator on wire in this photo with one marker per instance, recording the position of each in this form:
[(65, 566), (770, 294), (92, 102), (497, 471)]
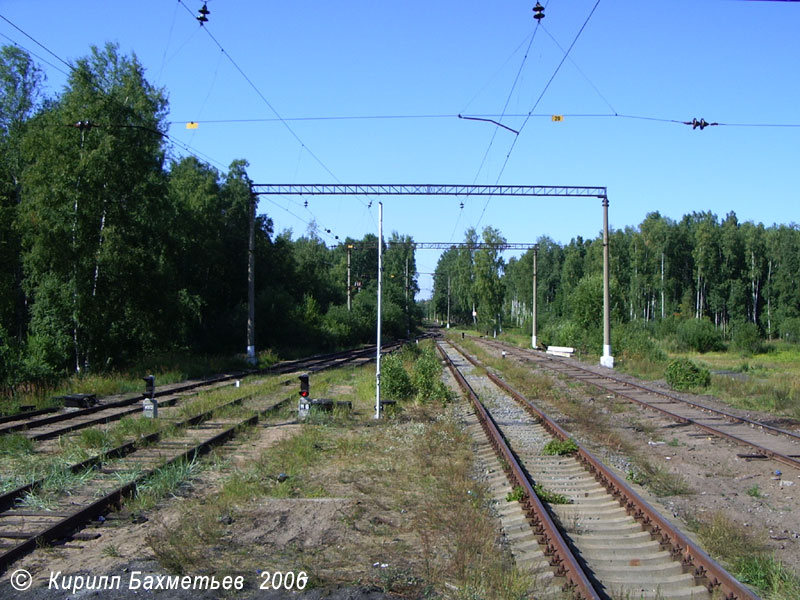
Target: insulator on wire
[(305, 203), (462, 205), (701, 124), (538, 12), (203, 16)]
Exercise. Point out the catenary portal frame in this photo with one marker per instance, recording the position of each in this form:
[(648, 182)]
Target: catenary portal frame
[(465, 190)]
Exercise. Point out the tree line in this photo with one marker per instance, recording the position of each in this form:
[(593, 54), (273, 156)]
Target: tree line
[(112, 248), (732, 274)]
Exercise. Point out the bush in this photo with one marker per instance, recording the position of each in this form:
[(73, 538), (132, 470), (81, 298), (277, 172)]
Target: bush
[(683, 374), (570, 333), (632, 341), (426, 377), (790, 329), (394, 379), (699, 335), (746, 338)]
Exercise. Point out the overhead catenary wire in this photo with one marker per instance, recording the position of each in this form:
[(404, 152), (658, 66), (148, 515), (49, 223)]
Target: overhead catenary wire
[(535, 104), (477, 115), (480, 91), (266, 101), (577, 68), (208, 94), (45, 48), (18, 45), (169, 41), (184, 146), (313, 225), (505, 106)]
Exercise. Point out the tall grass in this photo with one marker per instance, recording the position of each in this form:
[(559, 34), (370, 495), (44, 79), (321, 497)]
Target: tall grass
[(168, 368), (747, 558)]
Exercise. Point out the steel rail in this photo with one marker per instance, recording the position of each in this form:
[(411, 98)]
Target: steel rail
[(727, 415), (27, 414), (313, 364), (555, 545), (775, 455), (69, 524), (125, 401), (681, 546), (8, 499)]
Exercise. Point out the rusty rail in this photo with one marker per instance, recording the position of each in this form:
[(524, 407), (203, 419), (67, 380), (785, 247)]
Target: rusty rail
[(555, 545), (691, 555), (780, 457)]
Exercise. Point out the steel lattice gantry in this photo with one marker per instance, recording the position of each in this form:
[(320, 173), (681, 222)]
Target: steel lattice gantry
[(342, 189), (448, 245), (373, 189)]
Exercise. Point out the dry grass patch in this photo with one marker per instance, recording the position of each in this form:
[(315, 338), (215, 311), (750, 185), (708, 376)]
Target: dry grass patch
[(390, 504)]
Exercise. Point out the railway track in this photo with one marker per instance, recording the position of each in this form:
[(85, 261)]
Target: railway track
[(51, 423), (107, 480), (116, 473), (604, 542), (763, 440)]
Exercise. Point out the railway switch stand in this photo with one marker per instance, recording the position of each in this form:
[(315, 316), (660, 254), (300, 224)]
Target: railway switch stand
[(304, 405), (150, 404), (150, 386)]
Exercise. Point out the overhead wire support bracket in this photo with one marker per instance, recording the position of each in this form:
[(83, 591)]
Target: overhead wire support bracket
[(489, 121)]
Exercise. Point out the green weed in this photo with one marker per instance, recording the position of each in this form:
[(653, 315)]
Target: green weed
[(515, 495), (163, 482), (754, 492), (560, 447), (549, 496), (15, 444)]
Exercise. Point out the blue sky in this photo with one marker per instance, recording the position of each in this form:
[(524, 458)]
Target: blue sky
[(722, 60)]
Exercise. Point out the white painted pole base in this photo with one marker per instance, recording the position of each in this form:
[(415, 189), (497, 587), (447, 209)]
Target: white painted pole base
[(251, 355), (607, 360), (534, 342)]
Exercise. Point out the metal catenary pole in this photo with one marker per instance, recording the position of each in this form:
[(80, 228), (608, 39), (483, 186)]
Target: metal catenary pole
[(349, 250), (251, 286), (380, 316), (534, 342), (607, 360)]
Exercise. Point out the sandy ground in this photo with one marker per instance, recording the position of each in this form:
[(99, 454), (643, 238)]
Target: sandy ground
[(122, 549)]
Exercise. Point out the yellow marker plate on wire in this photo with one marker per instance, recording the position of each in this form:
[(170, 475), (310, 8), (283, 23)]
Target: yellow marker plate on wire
[(557, 118), (191, 125)]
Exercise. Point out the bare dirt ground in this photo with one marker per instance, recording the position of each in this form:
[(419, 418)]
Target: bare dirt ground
[(266, 532), (122, 547), (748, 491)]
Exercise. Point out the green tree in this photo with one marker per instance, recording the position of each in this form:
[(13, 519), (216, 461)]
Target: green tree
[(91, 199), (20, 97), (489, 287), (400, 268)]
